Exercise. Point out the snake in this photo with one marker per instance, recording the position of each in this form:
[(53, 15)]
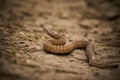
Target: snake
[(57, 45)]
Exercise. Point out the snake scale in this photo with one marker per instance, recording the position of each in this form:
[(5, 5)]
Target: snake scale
[(57, 46)]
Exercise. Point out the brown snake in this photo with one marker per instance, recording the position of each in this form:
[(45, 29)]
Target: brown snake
[(57, 46)]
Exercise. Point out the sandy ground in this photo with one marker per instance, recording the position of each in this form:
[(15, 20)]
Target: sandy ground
[(21, 39)]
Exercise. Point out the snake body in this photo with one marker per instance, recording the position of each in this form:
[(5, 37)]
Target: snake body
[(57, 46)]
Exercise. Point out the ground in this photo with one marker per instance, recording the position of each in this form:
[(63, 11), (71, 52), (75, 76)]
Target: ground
[(22, 56)]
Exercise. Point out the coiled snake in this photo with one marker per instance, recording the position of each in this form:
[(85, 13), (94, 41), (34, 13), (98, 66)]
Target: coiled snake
[(57, 46)]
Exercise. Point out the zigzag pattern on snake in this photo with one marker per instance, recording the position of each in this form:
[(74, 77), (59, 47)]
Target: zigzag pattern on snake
[(57, 46)]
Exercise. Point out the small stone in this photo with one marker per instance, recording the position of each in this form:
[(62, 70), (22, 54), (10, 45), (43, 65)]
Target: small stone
[(71, 60), (22, 33)]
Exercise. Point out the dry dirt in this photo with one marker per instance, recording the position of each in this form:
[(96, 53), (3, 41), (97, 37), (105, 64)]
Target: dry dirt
[(21, 38)]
